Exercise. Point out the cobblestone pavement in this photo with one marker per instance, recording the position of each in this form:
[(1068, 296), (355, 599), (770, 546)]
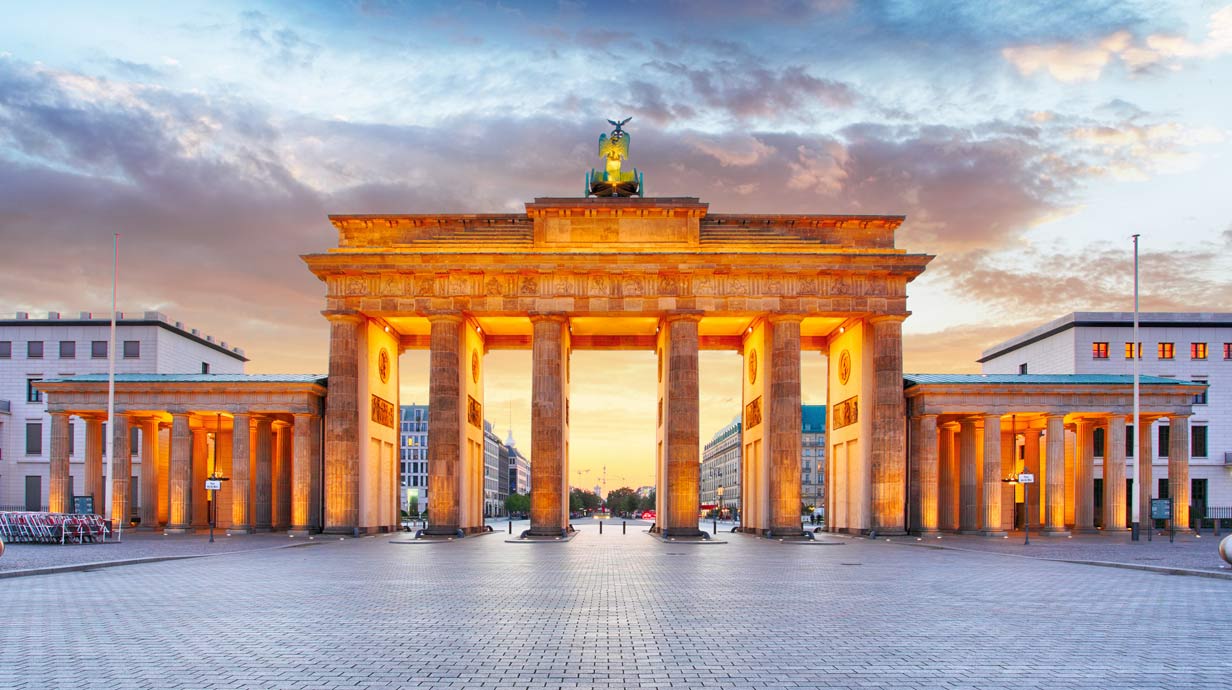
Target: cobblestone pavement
[(613, 611), (133, 546), (1188, 551)]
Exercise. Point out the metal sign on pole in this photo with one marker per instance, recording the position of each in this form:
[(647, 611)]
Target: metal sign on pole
[(109, 484), (1136, 349)]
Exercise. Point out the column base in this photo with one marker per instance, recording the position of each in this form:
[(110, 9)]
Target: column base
[(145, 529), (993, 533), (240, 531), (976, 532), (1054, 532), (683, 533), (178, 530), (1087, 530), (262, 529), (928, 533), (302, 531)]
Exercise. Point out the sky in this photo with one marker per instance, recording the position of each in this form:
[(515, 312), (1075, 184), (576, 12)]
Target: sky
[(1025, 143)]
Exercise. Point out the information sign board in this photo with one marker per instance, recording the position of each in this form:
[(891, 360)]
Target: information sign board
[(1161, 509), (1026, 478), (83, 505), (213, 485)]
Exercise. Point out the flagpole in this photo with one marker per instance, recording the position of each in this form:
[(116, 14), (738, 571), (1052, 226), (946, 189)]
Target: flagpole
[(1136, 509), (117, 521)]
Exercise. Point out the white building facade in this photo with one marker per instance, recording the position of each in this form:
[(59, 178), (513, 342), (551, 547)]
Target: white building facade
[(57, 346), (1186, 346), (414, 458), (493, 502)]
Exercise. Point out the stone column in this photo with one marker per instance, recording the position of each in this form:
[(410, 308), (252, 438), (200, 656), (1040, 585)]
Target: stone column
[(282, 476), (59, 500), (241, 514), (445, 422), (198, 496), (948, 481), (263, 476), (121, 470), (1054, 489), (968, 492), (1114, 474), (1009, 468), (1032, 494), (149, 474), (1084, 477), (180, 474), (888, 441), (94, 463), (784, 424), (1143, 484), (928, 472), (342, 424), (1178, 468), (991, 508), (164, 471), (315, 459), (301, 476), (681, 433), (548, 499)]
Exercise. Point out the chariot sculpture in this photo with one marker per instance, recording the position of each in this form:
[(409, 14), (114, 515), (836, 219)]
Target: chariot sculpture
[(612, 181)]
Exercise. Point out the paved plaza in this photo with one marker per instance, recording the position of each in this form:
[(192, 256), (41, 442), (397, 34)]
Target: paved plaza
[(614, 611)]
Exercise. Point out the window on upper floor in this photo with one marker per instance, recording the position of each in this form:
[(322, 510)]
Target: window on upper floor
[(32, 394), (1197, 441), (1197, 350), (1166, 350), (68, 349), (1162, 442), (1129, 350), (1022, 368), (6, 349), (1099, 350), (34, 438), (1200, 398), (98, 349), (132, 349), (205, 367), (34, 349), (1227, 350)]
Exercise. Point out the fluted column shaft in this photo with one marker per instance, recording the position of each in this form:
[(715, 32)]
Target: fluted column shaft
[(241, 510), (149, 474), (991, 508), (948, 480), (889, 432), (94, 463), (784, 422), (301, 475), (1178, 468), (198, 496), (1084, 476), (1144, 483), (59, 500), (681, 433), (548, 483), (444, 426), (1114, 474), (342, 424), (928, 472), (1054, 488), (968, 516), (282, 479), (180, 474), (1031, 462), (121, 469), (263, 476)]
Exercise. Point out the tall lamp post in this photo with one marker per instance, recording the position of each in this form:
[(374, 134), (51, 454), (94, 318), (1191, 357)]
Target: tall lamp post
[(720, 493)]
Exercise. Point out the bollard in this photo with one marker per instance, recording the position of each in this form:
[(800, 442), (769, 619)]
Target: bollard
[(511, 526), (600, 527), (623, 527)]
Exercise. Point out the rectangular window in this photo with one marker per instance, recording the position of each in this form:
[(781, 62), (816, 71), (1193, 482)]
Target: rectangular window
[(32, 394), (68, 349), (1227, 350), (1197, 441), (34, 493), (1163, 442), (1099, 350), (34, 438), (6, 349), (1129, 440), (132, 349), (98, 349), (134, 441), (1129, 350), (1022, 368), (205, 367), (72, 444), (1200, 398), (1166, 350), (1197, 350), (34, 349)]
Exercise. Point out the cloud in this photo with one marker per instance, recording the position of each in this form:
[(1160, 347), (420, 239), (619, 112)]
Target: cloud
[(1079, 62)]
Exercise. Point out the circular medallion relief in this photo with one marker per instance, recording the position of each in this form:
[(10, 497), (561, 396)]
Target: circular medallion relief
[(382, 365), (844, 367), (475, 365), (753, 366)]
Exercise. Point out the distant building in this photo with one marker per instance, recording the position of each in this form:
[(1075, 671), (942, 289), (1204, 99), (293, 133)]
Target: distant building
[(414, 472), (493, 504), (519, 468), (59, 346), (1183, 346), (720, 466)]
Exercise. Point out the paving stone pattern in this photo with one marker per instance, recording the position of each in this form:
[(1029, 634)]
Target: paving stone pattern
[(613, 611)]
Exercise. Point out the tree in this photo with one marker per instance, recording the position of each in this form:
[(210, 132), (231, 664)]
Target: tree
[(648, 503), (622, 500), (586, 500), (412, 507), (517, 504)]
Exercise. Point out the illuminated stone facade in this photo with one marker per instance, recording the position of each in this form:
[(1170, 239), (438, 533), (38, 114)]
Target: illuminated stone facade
[(658, 274)]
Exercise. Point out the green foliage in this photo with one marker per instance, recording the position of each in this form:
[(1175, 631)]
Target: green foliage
[(623, 500), (517, 503), (583, 500), (413, 506), (648, 503)]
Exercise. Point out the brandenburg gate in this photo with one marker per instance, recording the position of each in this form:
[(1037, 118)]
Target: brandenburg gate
[(659, 274)]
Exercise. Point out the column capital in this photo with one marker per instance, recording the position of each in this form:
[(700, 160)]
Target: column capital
[(926, 417), (445, 317), (884, 318), (343, 316), (784, 318), (672, 316), (549, 317), (305, 416), (59, 414), (1178, 418)]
